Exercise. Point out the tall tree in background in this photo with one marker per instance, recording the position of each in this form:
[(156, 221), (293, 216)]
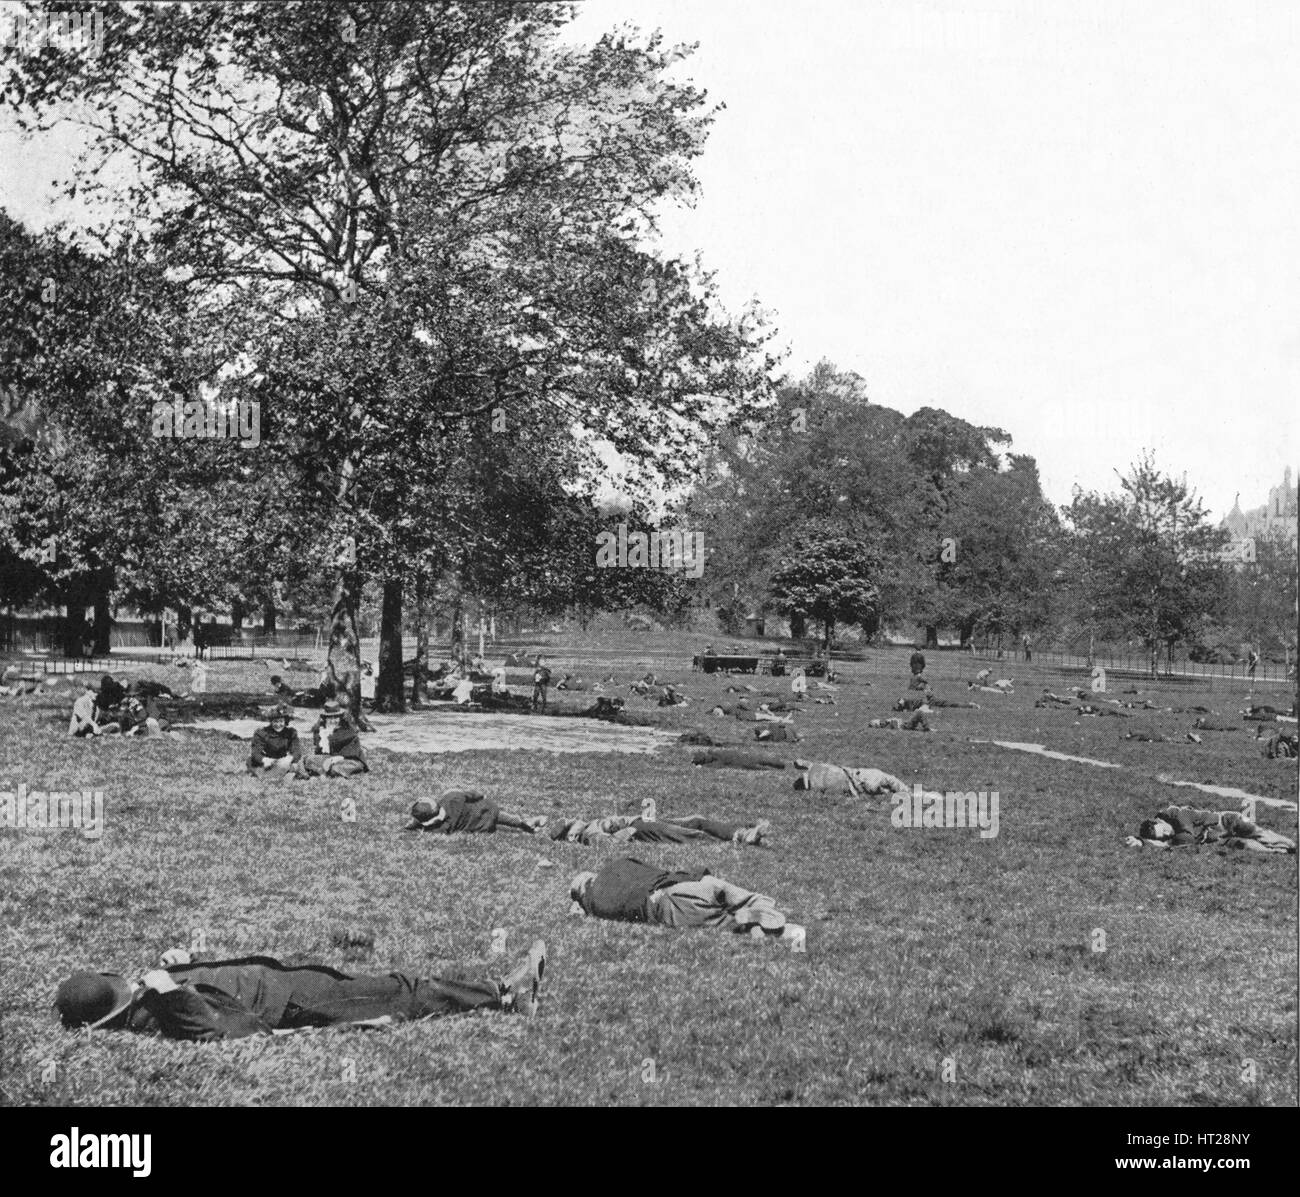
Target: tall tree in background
[(1144, 562), (829, 578)]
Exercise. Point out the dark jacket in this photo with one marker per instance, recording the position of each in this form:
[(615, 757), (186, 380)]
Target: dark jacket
[(468, 811), (343, 741), (622, 889), (274, 745)]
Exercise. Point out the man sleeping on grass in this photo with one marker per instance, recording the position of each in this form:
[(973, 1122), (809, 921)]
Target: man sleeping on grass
[(256, 995), (634, 892), (1188, 826), (469, 812), (837, 779)]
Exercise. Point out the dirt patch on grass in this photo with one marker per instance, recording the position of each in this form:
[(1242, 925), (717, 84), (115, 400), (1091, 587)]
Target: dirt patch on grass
[(439, 732)]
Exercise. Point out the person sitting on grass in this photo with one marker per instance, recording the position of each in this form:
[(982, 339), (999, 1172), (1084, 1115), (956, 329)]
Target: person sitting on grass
[(142, 718), (86, 715), (112, 694), (632, 891), (257, 995), (276, 748), (334, 748), (1282, 745), (1188, 826)]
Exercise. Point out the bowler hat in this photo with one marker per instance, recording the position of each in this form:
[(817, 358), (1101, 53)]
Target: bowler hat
[(92, 998)]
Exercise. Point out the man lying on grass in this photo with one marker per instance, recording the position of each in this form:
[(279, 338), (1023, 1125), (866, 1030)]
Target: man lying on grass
[(470, 812), (255, 995), (634, 892), (466, 811), (1186, 826), (837, 779), (624, 829)]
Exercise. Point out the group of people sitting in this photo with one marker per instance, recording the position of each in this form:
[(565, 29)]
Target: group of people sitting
[(332, 749), (111, 708)]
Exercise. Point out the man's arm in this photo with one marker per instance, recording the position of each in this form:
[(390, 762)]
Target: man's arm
[(183, 1012)]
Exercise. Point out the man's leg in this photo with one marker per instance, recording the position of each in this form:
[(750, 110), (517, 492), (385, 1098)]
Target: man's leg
[(346, 768), (722, 831), (505, 819), (712, 902), (319, 1000)]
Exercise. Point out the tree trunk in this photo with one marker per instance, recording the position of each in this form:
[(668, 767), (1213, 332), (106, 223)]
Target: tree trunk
[(268, 617), (798, 626), (828, 629), (458, 631), (390, 693), (419, 688), (184, 622), (345, 646), (931, 636), (236, 614), (482, 629), (103, 615)]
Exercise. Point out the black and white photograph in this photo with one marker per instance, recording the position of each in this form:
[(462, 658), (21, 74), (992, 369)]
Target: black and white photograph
[(647, 553)]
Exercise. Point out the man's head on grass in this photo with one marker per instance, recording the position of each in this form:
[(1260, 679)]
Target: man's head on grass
[(94, 1000), (426, 816), (580, 886)]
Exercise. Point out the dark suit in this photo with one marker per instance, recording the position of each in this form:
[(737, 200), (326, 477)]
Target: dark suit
[(254, 995)]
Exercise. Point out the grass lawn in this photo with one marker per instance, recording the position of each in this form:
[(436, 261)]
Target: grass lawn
[(924, 946)]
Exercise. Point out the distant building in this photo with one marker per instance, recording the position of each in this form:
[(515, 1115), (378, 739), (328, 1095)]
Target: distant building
[(1278, 515)]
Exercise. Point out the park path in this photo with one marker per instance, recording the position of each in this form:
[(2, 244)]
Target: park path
[(1222, 791)]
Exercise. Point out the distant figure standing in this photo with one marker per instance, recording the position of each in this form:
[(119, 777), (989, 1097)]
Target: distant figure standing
[(1098, 680), (1028, 647), (541, 680), (778, 664), (1251, 662), (917, 662)]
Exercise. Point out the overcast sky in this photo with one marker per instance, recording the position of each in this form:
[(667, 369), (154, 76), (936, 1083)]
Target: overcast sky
[(1075, 221)]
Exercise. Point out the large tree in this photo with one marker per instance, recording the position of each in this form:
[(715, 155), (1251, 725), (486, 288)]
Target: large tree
[(445, 178)]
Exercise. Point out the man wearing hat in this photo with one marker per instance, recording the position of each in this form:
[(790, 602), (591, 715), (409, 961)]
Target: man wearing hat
[(256, 995), (465, 811), (631, 891), (334, 749), (276, 747)]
